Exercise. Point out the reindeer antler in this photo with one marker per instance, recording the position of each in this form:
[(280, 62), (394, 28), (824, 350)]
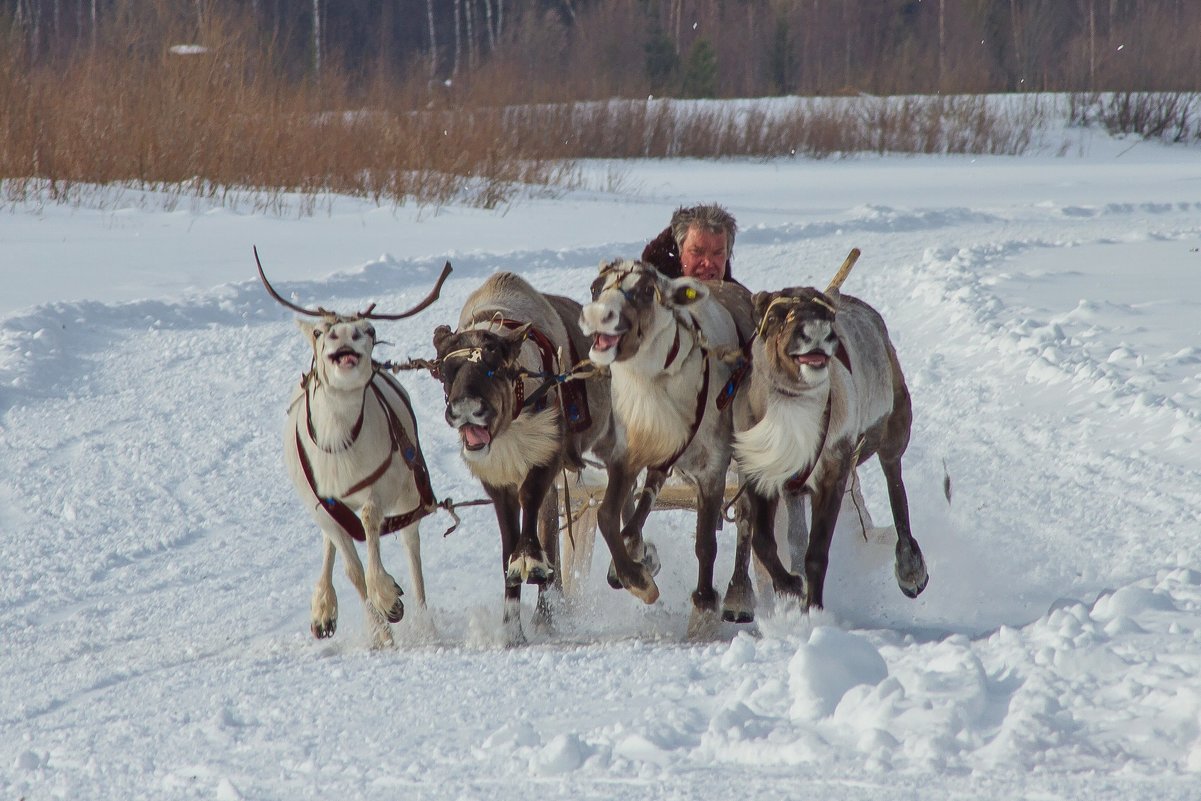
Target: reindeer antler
[(366, 314), (843, 271), (318, 312), (429, 299)]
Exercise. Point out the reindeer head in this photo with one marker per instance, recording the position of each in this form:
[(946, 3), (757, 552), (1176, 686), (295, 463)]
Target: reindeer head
[(796, 327), (342, 344), (478, 369), (631, 300), (341, 350)]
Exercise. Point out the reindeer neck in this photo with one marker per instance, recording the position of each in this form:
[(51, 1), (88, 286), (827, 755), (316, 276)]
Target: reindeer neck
[(334, 417)]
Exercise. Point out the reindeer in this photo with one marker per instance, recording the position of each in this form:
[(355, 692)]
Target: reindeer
[(826, 393), (352, 452), (661, 339), (509, 338)]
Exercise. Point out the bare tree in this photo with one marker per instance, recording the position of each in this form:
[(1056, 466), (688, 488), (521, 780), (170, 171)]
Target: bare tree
[(458, 37), (942, 44), (429, 16), (317, 39), (471, 50), (1017, 38), (488, 25)]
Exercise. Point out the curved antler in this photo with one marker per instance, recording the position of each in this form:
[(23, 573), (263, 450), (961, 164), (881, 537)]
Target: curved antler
[(429, 299), (843, 271), (318, 312)]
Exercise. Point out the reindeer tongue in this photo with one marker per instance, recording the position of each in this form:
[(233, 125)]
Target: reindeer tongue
[(603, 342), (475, 436), (814, 359)]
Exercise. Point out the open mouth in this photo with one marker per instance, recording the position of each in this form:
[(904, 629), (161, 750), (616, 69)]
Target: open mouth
[(605, 342), (345, 357), (814, 358), (475, 438)]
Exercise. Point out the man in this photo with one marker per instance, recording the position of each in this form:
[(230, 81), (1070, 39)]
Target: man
[(697, 243)]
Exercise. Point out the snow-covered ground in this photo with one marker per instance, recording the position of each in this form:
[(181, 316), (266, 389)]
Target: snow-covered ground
[(157, 568)]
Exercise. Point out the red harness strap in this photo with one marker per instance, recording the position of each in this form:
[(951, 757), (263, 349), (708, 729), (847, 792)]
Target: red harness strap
[(801, 477), (574, 394), (414, 459), (699, 415)]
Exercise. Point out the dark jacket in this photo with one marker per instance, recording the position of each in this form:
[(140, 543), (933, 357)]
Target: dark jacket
[(665, 256)]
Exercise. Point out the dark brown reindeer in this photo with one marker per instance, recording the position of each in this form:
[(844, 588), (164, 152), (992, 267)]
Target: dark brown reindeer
[(661, 339), (508, 335), (826, 393), (351, 449)]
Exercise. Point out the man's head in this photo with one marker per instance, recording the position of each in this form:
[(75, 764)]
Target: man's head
[(705, 238)]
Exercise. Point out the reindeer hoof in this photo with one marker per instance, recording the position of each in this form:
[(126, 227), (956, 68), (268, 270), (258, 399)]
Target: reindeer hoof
[(649, 560), (643, 586), (528, 570), (612, 578), (397, 612), (323, 630), (911, 573), (705, 600), (793, 586), (737, 616)]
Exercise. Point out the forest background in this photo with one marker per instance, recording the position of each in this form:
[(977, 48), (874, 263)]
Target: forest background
[(434, 99)]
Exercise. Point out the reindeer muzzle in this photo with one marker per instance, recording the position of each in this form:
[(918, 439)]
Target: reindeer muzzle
[(815, 359), (345, 357), (475, 438)]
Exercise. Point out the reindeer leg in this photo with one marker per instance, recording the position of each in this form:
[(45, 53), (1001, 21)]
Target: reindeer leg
[(827, 500), (797, 537), (529, 563), (548, 536), (508, 515), (910, 567), (631, 531), (703, 621), (739, 603), (762, 513), (412, 540), (383, 592), (381, 635), (629, 573), (324, 607)]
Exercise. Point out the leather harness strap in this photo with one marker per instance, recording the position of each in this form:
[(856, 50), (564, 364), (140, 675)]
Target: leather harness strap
[(401, 443), (801, 477), (699, 414), (575, 394)]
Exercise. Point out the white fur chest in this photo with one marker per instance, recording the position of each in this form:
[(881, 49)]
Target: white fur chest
[(530, 441), (786, 441), (652, 412)]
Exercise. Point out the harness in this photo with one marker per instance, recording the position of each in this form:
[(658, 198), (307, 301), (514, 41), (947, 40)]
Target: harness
[(698, 415), (574, 394), (400, 442)]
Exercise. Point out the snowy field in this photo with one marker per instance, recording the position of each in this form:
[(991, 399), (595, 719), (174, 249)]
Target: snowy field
[(157, 568)]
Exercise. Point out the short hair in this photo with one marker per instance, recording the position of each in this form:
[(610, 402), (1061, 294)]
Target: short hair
[(708, 217)]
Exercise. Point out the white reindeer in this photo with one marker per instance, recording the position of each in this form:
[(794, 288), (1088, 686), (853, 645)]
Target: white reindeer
[(351, 449)]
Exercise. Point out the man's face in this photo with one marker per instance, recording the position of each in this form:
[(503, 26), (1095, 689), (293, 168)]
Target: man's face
[(703, 254)]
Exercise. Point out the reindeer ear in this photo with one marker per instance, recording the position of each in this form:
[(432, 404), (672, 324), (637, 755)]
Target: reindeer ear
[(309, 330), (441, 334), (762, 300), (686, 291), (835, 298), (515, 339)]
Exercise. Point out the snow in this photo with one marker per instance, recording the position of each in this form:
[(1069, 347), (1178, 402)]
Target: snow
[(157, 567)]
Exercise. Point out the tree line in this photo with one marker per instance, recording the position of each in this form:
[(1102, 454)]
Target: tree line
[(579, 49)]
